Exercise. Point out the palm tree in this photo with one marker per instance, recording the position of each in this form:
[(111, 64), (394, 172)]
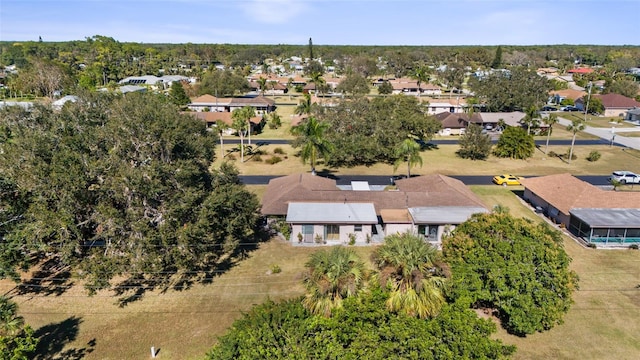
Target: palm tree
[(311, 137), (421, 75), (576, 126), (318, 81), (304, 107), (10, 322), (409, 267), (409, 151), (549, 121), (263, 84), (331, 276), (530, 118), (240, 125)]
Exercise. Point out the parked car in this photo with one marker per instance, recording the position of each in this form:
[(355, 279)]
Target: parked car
[(624, 177), (548, 108), (569, 108), (507, 179)]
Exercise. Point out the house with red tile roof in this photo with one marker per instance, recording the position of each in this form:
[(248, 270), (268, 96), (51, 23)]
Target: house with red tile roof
[(595, 215), (614, 104), (319, 211)]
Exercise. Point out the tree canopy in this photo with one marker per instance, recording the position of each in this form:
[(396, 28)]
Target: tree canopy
[(512, 265), (366, 131), (518, 89), (474, 144), (361, 329), (119, 186), (515, 143)]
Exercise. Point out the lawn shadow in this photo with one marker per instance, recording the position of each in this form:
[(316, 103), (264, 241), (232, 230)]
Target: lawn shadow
[(54, 337), (51, 277)]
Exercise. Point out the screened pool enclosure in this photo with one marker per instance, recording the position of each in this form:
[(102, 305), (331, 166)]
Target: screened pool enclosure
[(606, 226)]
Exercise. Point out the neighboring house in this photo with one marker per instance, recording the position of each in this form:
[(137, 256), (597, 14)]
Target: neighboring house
[(445, 105), (410, 87), (58, 104), (513, 118), (318, 211), (595, 215), (164, 81), (580, 70), (633, 115), (208, 102), (558, 95), (132, 88), (224, 120), (614, 104), (456, 123)]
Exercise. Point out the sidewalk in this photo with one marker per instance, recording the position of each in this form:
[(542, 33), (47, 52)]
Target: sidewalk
[(605, 134)]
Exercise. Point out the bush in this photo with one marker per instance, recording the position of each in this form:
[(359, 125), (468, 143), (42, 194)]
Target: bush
[(593, 156), (274, 160), (566, 155), (275, 269), (258, 152), (278, 150), (633, 247), (592, 246), (231, 157), (552, 154), (256, 158)]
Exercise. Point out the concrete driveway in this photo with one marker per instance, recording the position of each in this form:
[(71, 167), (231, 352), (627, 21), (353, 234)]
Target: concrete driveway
[(605, 134)]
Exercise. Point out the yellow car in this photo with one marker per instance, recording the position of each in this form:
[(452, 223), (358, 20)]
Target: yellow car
[(506, 179)]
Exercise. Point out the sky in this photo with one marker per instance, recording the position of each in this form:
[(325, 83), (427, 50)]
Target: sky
[(326, 22)]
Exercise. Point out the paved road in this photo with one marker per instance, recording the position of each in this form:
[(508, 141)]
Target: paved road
[(606, 135), (597, 180), (563, 142)]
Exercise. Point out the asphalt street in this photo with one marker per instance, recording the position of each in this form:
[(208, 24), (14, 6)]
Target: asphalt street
[(598, 180), (564, 142)]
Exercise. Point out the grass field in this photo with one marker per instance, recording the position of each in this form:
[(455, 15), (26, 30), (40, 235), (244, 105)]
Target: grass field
[(603, 323), (444, 161)]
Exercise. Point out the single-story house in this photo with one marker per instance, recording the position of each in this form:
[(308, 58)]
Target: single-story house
[(208, 102), (319, 212), (224, 120), (633, 115), (603, 217), (58, 104), (513, 118), (437, 106), (614, 104), (455, 123)]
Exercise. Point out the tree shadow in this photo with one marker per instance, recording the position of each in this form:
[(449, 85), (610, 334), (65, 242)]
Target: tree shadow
[(135, 287), (52, 277), (54, 337)]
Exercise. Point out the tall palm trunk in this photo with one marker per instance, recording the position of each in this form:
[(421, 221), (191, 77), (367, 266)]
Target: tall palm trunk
[(573, 140), (241, 146), (249, 130)]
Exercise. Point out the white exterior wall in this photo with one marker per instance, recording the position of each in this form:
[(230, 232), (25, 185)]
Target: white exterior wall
[(345, 230), (390, 229)]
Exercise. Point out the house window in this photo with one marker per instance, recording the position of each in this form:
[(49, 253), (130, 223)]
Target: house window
[(357, 228), (430, 232), (332, 232)]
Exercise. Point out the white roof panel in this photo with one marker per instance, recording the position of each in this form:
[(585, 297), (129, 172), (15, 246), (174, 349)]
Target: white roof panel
[(332, 213)]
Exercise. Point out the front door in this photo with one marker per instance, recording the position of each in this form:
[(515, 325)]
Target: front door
[(307, 233)]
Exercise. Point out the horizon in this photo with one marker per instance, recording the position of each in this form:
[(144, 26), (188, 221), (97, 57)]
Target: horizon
[(411, 23)]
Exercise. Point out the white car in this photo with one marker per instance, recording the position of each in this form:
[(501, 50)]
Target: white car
[(625, 177)]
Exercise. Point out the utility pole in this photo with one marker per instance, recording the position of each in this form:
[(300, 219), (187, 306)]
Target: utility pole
[(586, 109)]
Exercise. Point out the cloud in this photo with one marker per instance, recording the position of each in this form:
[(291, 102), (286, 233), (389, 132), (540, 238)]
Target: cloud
[(274, 11)]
